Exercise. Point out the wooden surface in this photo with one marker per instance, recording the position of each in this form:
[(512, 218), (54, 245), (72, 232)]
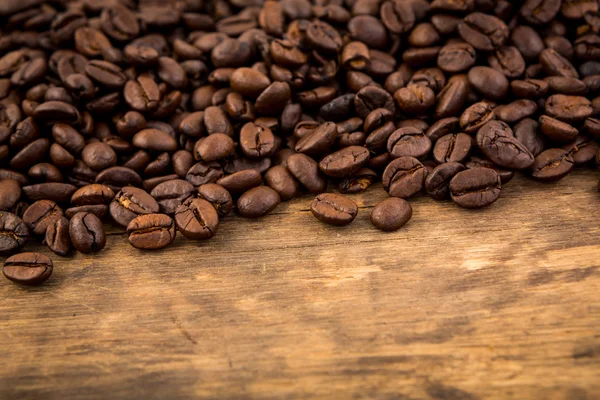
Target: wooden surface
[(461, 305)]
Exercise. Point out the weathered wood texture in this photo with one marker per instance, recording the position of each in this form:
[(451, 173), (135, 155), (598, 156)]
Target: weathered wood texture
[(496, 303)]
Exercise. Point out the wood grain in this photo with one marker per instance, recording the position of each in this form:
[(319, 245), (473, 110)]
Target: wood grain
[(496, 303)]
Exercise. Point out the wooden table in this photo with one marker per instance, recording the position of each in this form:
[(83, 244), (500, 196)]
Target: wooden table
[(496, 303)]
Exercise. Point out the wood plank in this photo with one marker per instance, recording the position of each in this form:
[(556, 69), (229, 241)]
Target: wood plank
[(495, 303)]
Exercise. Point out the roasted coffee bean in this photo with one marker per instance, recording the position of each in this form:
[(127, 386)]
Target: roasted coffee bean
[(452, 148), (258, 202), (171, 194), (475, 187), (452, 98), (87, 233), (582, 149), (317, 140), (151, 231), (283, 182), (408, 141), (556, 65), (490, 83), (556, 130), (456, 57), (497, 142), (197, 219), (92, 194), (58, 238), (306, 170), (344, 162), (570, 109), (437, 183), (118, 177), (131, 202), (30, 154), (142, 94), (527, 133), (391, 214), (540, 12), (334, 209), (218, 196), (256, 141), (45, 172), (99, 210), (41, 214), (13, 233), (55, 191), (10, 193), (371, 98), (241, 181), (483, 31), (154, 139), (214, 147), (515, 111), (404, 177), (476, 116), (28, 268), (552, 165), (415, 99), (202, 173)]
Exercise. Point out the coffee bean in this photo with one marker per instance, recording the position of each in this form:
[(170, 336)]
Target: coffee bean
[(197, 219), (283, 182), (526, 132), (58, 238), (154, 139), (437, 183), (87, 233), (408, 142), (256, 141), (306, 170), (151, 231), (131, 202), (552, 165), (489, 82), (202, 173), (99, 210), (344, 162), (371, 98), (218, 196), (28, 268), (515, 111), (171, 194), (142, 94), (55, 191), (540, 12), (484, 32), (391, 214), (475, 187), (258, 202), (452, 148), (476, 116), (557, 130), (456, 57), (10, 192), (214, 147), (13, 233), (569, 109), (497, 142), (334, 209), (404, 177)]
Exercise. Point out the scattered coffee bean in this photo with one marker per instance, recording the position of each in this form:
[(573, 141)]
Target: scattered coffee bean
[(151, 231), (391, 214), (58, 238), (87, 233), (13, 233), (334, 209), (257, 202), (28, 268), (475, 187), (197, 219)]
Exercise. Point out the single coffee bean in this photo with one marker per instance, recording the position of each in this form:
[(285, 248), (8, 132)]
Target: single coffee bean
[(539, 12), (516, 111), (453, 97), (57, 237), (556, 65), (334, 209), (241, 181), (257, 141), (476, 116), (391, 214), (218, 196), (131, 202), (489, 82), (404, 177), (483, 31), (283, 182), (571, 109), (13, 233), (371, 98), (92, 194), (497, 142), (552, 165), (197, 219), (318, 140), (214, 147), (415, 99), (408, 141), (10, 193), (151, 231), (258, 202), (142, 94), (508, 60), (55, 191), (475, 187), (344, 162), (202, 173), (437, 183), (306, 170), (529, 88), (28, 268), (41, 214), (99, 156), (527, 133), (99, 210), (45, 172), (456, 57), (452, 148), (171, 194), (154, 139), (556, 130), (118, 177), (87, 233), (582, 149)]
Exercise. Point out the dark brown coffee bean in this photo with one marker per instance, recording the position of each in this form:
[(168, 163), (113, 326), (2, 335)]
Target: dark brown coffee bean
[(202, 173), (214, 147), (40, 215), (182, 161), (106, 74), (256, 141), (99, 156), (56, 112), (13, 233), (131, 202), (151, 231), (475, 187), (529, 88), (171, 194), (57, 237), (45, 172), (306, 170), (452, 148), (516, 111), (582, 149), (540, 12), (142, 94), (218, 196), (441, 128), (508, 60), (118, 177), (408, 141), (415, 99), (371, 98), (489, 82), (258, 202), (154, 139), (216, 121), (557, 130), (497, 142), (319, 140), (241, 181), (575, 9), (28, 268), (55, 191), (344, 162), (87, 233), (451, 99), (30, 154), (273, 99), (552, 165), (324, 37), (197, 219), (556, 65), (476, 116), (358, 182), (10, 192), (456, 57), (437, 183), (69, 138), (568, 108), (484, 32), (398, 17), (249, 82), (527, 133), (90, 42), (283, 182), (99, 210), (334, 209), (391, 214), (119, 22), (404, 177)]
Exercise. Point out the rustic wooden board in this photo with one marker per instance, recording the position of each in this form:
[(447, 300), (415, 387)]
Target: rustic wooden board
[(497, 303)]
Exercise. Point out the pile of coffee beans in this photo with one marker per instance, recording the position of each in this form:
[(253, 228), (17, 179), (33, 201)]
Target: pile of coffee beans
[(164, 116)]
